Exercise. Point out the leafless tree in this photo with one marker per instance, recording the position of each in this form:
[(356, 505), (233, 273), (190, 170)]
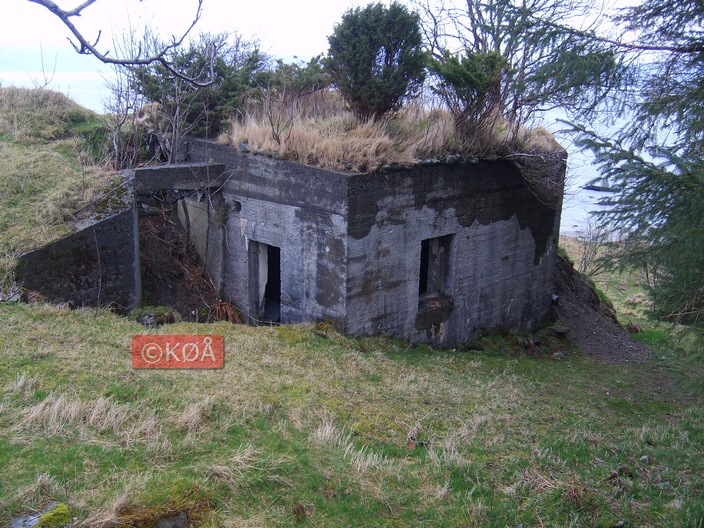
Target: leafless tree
[(121, 118), (141, 57), (123, 107), (47, 78), (594, 240)]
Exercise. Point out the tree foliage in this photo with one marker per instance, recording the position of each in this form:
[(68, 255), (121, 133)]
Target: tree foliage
[(376, 58), (233, 66), (654, 161), (521, 46), (470, 84)]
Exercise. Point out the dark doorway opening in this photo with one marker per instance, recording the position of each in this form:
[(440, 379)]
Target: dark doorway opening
[(434, 265), (272, 291)]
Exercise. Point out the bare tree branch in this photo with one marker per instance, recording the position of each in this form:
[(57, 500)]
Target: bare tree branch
[(85, 47)]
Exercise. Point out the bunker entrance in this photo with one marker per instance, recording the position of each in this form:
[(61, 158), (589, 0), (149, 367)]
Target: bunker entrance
[(268, 282), (434, 303)]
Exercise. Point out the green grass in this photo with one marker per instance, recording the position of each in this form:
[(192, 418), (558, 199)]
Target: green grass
[(302, 428), (51, 151), (37, 115)]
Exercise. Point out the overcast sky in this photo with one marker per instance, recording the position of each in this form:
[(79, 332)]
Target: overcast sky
[(28, 33), (34, 47)]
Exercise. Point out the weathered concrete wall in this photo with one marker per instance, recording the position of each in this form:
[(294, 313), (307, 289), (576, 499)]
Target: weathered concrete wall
[(351, 246), (97, 266), (501, 262), (190, 176), (300, 210)]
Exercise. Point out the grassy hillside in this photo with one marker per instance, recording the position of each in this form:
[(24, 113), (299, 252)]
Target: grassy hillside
[(51, 165), (306, 427)]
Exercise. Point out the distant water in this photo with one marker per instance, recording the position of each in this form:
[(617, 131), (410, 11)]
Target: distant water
[(579, 202), (576, 209)]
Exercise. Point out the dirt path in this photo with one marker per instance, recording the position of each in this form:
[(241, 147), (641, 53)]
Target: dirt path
[(592, 325)]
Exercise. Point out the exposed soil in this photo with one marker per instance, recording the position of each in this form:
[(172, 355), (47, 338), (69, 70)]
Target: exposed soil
[(174, 276), (592, 325)]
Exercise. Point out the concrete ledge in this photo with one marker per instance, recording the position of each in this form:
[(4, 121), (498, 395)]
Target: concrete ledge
[(187, 177)]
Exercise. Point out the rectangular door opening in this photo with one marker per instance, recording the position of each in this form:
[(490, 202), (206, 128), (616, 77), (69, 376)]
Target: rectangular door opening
[(265, 282), (435, 305), (434, 265), (272, 290)]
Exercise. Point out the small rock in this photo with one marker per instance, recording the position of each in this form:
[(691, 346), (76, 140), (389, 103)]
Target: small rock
[(29, 521), (148, 320), (277, 155), (175, 521), (260, 151), (561, 331), (645, 459), (244, 147), (11, 296), (453, 159), (558, 355)]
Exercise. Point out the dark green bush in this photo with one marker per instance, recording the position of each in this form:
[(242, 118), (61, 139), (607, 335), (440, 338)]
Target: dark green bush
[(376, 58)]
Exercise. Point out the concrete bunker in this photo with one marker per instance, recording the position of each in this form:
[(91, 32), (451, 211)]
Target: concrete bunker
[(436, 254)]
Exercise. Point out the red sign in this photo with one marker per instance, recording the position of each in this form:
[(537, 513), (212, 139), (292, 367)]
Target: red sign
[(178, 351)]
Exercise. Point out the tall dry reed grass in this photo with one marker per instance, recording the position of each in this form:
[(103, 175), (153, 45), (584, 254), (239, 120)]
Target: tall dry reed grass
[(318, 130)]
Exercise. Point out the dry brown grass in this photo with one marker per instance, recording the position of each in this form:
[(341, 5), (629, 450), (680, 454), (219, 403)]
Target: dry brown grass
[(332, 138), (24, 385), (58, 413), (194, 416), (45, 487)]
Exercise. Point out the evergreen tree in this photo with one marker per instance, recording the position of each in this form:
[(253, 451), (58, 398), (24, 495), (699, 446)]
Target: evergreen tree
[(230, 68), (513, 59), (376, 58), (655, 161)]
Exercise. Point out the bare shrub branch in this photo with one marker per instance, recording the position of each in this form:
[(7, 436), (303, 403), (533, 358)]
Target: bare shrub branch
[(140, 58)]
